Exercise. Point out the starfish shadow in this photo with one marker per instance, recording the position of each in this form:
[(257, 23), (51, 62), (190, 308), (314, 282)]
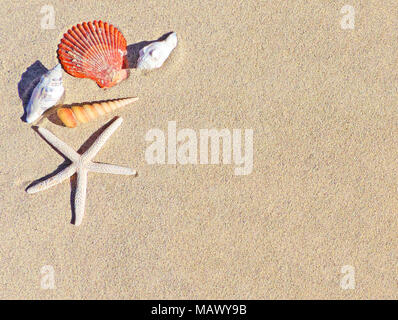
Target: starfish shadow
[(133, 51), (73, 181), (61, 167), (73, 187), (88, 143), (29, 79)]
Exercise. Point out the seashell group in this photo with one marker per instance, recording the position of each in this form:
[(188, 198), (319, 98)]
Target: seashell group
[(98, 51), (46, 94), (155, 54), (94, 50), (71, 116)]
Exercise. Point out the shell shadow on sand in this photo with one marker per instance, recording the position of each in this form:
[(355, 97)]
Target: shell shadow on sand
[(133, 51), (29, 79)]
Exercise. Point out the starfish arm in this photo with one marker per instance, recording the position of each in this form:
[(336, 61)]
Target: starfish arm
[(103, 137), (80, 196), (59, 144), (110, 168), (52, 181)]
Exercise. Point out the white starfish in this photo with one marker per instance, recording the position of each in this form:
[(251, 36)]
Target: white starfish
[(81, 164)]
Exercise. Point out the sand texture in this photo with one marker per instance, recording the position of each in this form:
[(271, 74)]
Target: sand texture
[(323, 193)]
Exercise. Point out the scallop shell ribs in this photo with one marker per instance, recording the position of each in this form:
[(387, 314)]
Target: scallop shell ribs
[(94, 50)]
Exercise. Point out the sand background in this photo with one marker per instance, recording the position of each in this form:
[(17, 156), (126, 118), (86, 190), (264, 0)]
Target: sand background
[(322, 102)]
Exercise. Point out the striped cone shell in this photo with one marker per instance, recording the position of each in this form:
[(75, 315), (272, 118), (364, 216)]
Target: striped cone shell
[(73, 115), (94, 50)]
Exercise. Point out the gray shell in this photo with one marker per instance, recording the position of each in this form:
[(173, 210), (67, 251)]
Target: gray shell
[(46, 94)]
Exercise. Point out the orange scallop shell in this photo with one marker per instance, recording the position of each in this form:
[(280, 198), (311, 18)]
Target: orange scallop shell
[(94, 50)]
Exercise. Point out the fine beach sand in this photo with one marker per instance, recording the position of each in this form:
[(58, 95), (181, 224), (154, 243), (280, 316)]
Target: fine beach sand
[(323, 194)]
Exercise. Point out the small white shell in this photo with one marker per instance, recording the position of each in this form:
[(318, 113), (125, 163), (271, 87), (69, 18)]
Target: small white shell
[(155, 54), (46, 94)]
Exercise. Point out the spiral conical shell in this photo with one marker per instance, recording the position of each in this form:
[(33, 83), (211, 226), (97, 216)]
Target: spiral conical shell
[(94, 50), (73, 115)]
